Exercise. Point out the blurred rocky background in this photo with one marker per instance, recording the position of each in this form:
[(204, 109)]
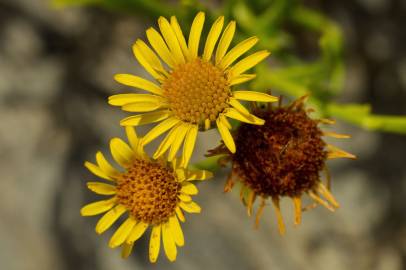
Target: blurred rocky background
[(56, 69)]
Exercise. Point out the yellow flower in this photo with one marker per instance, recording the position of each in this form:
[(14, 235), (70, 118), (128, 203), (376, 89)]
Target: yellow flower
[(282, 158), (191, 92), (152, 193)]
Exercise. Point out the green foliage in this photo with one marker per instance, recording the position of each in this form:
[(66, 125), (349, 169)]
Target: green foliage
[(272, 21)]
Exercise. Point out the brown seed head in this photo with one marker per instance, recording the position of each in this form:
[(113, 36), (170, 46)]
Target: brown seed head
[(149, 191), (284, 156), (196, 91)]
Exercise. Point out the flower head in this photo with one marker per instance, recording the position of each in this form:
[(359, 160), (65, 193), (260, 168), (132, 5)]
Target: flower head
[(151, 193), (282, 158), (191, 92)]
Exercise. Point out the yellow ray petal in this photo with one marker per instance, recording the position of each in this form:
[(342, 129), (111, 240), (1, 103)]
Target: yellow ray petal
[(159, 129), (281, 225), (177, 142), (297, 202), (207, 124), (109, 218), (225, 134), (154, 243), (189, 188), (212, 38), (151, 57), (138, 82), (97, 171), (190, 207), (327, 121), (104, 165), (145, 63), (132, 137), (336, 135), (159, 45), (225, 41), (137, 232), (167, 142), (320, 201), (177, 232), (189, 145), (123, 99), (194, 36), (326, 193), (199, 175), (254, 96), (121, 152), (122, 233), (250, 202), (241, 79), (126, 250), (179, 35), (237, 51), (101, 188), (181, 174), (238, 106), (184, 197), (259, 212), (171, 40), (335, 152), (143, 106), (146, 118), (169, 242), (247, 63), (251, 119), (98, 207), (179, 214)]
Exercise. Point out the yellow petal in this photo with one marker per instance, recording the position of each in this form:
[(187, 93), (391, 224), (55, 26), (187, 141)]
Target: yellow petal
[(194, 36), (237, 51), (207, 124), (335, 152), (101, 188), (190, 207), (167, 142), (185, 197), (189, 145), (247, 63), (177, 232), (145, 63), (171, 40), (97, 171), (159, 45), (251, 119), (123, 99), (199, 175), (238, 106), (212, 38), (159, 129), (126, 251), (98, 207), (254, 96), (151, 57), (137, 232), (179, 35), (143, 106), (177, 142), (154, 243), (109, 218), (169, 243), (180, 174), (336, 135), (104, 165), (121, 152), (179, 214), (241, 79), (138, 82), (225, 41), (122, 233), (132, 137), (225, 134), (189, 188), (146, 118)]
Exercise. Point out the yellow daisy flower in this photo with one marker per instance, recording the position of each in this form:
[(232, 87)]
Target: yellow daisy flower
[(282, 158), (191, 92), (152, 193)]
